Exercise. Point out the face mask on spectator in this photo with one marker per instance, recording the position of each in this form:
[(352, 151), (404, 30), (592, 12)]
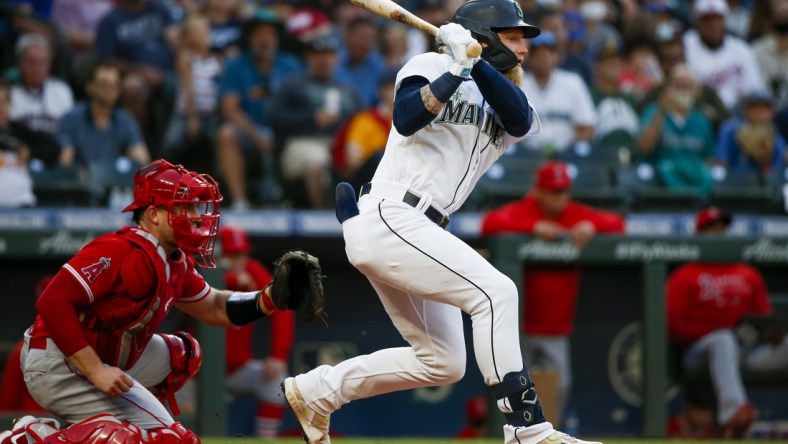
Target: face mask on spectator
[(683, 100), (594, 11)]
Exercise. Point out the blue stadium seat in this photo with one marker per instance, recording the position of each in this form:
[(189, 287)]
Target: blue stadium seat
[(643, 192), (743, 192)]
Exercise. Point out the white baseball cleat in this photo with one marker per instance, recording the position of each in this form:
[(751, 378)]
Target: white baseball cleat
[(314, 425), (562, 438)]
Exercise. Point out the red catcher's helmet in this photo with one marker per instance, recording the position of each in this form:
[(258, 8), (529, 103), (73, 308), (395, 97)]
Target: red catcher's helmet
[(234, 240), (192, 201)]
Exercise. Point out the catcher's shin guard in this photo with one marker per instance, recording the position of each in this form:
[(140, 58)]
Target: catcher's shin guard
[(99, 429), (518, 389), (30, 430)]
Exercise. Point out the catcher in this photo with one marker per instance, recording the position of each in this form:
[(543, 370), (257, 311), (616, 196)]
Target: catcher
[(92, 358)]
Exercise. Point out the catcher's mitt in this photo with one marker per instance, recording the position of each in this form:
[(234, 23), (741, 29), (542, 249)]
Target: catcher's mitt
[(298, 285)]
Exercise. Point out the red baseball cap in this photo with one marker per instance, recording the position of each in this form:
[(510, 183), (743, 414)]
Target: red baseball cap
[(553, 175), (477, 408), (234, 240), (711, 215)]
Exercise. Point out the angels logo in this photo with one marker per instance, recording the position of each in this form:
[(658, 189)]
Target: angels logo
[(93, 270)]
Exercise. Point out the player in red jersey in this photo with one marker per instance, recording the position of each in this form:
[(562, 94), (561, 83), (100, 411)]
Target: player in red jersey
[(245, 374), (92, 357), (548, 213), (705, 304)]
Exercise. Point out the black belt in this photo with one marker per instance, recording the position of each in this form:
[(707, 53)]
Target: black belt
[(413, 200)]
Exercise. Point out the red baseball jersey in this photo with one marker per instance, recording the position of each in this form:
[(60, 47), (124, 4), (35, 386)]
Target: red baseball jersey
[(119, 282), (702, 298), (550, 292), (13, 391), (238, 340)]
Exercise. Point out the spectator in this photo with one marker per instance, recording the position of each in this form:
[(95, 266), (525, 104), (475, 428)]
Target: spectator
[(553, 20), (316, 107), (752, 143), (433, 12), (617, 123), (771, 51), (477, 422), (671, 53), (597, 31), (95, 132), (226, 22), (39, 100), (676, 137), (360, 143), (245, 373), (15, 179), (245, 90), (562, 100), (725, 62), (360, 64), (549, 214), (78, 20), (194, 122), (394, 45), (138, 36), (705, 303), (641, 72)]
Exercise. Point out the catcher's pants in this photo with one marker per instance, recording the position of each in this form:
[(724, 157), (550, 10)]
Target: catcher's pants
[(425, 278), (57, 386)]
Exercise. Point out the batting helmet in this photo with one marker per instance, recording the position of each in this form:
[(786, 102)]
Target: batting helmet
[(484, 18), (192, 202)]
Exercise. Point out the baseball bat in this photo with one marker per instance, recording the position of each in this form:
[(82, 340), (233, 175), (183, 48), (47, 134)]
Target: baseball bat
[(393, 11)]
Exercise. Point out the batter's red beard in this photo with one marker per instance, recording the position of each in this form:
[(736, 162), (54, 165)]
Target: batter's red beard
[(515, 75)]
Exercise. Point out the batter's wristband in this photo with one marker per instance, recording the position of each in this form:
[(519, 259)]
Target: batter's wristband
[(444, 86), (244, 307)]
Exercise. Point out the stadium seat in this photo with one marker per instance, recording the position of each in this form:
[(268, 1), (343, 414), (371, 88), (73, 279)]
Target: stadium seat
[(643, 192), (743, 192), (593, 184), (59, 186), (111, 178)]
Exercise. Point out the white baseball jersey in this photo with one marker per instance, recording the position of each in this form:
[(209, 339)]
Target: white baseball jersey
[(424, 276), (449, 155), (43, 109), (563, 103), (732, 69)]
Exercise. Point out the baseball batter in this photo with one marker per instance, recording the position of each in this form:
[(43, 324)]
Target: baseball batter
[(453, 117), (92, 358)]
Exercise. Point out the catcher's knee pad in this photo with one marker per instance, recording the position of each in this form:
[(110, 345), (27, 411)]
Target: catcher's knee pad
[(174, 434), (99, 429), (518, 389), (185, 360)]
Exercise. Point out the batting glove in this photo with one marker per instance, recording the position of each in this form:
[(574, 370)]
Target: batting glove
[(456, 39)]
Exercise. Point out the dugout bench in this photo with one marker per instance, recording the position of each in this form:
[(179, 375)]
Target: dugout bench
[(652, 257)]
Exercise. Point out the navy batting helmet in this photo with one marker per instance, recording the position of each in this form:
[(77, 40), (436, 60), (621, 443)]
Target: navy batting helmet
[(484, 18)]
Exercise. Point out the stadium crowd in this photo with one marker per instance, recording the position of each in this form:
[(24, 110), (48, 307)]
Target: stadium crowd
[(280, 99)]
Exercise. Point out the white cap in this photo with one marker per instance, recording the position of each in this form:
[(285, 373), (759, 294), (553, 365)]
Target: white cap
[(709, 7)]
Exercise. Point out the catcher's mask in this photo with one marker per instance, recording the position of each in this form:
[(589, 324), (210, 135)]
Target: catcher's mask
[(192, 203), (485, 18)]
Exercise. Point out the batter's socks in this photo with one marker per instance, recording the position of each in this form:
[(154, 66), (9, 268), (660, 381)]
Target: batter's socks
[(518, 394), (268, 418)]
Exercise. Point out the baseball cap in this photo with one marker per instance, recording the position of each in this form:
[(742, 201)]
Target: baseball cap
[(711, 215), (477, 408), (328, 41), (553, 176), (759, 97), (610, 48), (234, 240), (545, 38), (710, 7)]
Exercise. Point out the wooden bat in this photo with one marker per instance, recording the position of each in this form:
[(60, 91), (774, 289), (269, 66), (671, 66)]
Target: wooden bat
[(393, 11)]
